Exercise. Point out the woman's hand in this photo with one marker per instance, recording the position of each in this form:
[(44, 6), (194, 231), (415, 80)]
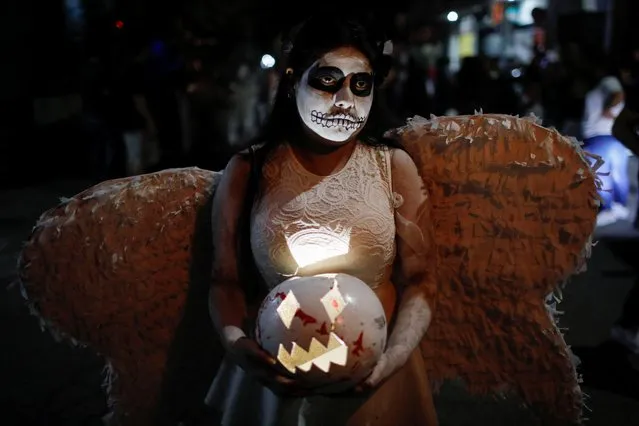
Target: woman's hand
[(388, 364), (336, 390), (248, 354)]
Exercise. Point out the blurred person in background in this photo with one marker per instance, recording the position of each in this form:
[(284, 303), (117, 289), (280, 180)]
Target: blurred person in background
[(414, 72), (532, 100), (533, 86), (603, 103), (105, 144), (574, 80), (444, 87), (469, 91), (116, 115), (243, 118), (500, 94), (207, 97), (396, 81), (133, 115), (162, 79), (553, 91)]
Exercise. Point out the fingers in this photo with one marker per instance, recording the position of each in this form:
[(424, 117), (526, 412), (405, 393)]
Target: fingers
[(332, 389), (355, 391), (378, 372), (364, 388), (259, 354), (264, 367), (266, 358), (282, 380), (269, 379)]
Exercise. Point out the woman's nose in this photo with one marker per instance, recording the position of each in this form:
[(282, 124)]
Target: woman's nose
[(344, 98)]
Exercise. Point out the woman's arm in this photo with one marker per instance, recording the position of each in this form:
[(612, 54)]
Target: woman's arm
[(416, 257), (227, 300)]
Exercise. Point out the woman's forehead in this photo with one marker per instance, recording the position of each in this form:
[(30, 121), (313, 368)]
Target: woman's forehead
[(347, 59)]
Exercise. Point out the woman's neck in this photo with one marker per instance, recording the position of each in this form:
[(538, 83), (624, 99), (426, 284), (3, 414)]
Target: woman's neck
[(323, 160)]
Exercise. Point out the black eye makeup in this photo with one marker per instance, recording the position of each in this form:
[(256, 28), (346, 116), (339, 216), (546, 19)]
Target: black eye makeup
[(327, 79), (362, 83), (331, 80)]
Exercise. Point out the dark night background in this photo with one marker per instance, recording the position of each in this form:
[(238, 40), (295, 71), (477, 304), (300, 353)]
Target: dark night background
[(72, 71)]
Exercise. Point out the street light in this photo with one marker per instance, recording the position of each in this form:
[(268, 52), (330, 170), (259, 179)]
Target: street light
[(267, 62)]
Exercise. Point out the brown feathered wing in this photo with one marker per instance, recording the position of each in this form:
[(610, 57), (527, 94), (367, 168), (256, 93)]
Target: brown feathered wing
[(514, 209)]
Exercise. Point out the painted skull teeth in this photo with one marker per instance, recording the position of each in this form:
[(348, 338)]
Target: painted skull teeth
[(339, 120)]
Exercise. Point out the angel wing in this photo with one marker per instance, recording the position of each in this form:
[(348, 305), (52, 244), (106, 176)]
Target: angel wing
[(124, 268), (514, 209)]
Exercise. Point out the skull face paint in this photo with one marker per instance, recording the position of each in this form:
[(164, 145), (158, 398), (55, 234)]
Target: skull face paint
[(334, 96)]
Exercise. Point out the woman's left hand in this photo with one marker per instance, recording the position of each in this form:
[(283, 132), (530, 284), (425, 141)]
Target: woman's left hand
[(386, 366), (390, 361)]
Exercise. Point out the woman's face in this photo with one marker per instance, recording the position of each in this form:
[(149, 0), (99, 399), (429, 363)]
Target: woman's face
[(335, 94)]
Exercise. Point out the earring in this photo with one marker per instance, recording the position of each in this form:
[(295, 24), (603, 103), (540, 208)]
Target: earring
[(291, 88)]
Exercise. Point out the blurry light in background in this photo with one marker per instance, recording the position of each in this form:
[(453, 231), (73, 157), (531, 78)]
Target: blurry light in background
[(452, 16), (516, 73), (119, 24), (267, 62)]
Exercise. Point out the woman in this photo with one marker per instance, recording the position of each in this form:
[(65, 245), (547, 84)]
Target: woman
[(122, 266), (325, 166)]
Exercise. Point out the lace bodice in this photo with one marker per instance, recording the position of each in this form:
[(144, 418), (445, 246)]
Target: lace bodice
[(325, 224)]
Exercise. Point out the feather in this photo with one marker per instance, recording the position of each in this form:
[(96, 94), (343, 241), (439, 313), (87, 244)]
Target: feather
[(109, 268)]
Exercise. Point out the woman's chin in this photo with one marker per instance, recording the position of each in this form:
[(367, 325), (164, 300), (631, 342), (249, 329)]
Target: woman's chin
[(335, 138)]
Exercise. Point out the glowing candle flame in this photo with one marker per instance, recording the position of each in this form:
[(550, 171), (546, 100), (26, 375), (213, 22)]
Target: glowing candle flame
[(315, 245)]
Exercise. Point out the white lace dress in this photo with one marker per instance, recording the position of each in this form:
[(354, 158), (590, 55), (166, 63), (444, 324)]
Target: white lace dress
[(298, 212)]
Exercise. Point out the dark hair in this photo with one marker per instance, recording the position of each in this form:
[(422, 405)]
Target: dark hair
[(307, 43)]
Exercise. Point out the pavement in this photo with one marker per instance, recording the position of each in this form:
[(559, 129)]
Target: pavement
[(43, 382)]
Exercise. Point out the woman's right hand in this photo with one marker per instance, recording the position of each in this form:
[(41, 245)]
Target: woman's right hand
[(255, 361)]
